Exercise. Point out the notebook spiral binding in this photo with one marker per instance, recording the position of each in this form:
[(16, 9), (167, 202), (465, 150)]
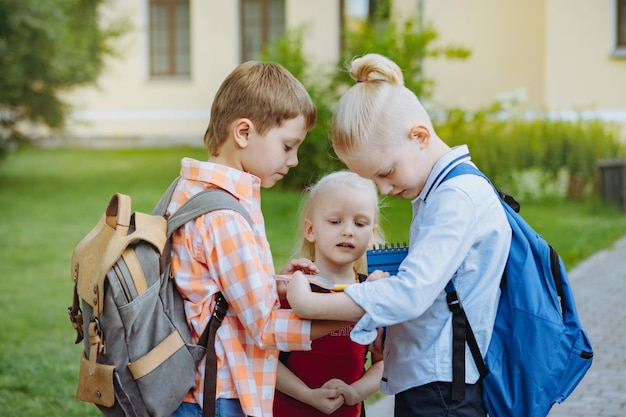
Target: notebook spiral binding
[(386, 257)]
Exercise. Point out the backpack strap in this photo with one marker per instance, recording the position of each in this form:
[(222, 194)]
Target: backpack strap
[(199, 204), (462, 332), (210, 368), (161, 207), (461, 329), (202, 203)]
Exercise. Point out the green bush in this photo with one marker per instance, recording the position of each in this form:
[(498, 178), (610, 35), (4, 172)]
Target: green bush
[(407, 44), (536, 158), (531, 158)]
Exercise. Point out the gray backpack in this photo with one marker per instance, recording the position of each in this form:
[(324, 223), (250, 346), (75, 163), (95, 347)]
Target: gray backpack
[(138, 359)]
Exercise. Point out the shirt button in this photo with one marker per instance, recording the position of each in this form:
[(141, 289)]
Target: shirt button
[(267, 395), (270, 358)]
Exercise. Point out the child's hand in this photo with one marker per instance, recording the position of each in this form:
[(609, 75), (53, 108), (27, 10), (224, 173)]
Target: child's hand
[(376, 275), (302, 264), (349, 394), (379, 344), (298, 294), (281, 289), (326, 400)]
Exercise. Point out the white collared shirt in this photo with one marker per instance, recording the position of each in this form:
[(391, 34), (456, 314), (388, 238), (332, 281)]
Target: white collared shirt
[(459, 229)]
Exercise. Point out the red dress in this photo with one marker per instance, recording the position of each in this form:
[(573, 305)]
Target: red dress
[(332, 356)]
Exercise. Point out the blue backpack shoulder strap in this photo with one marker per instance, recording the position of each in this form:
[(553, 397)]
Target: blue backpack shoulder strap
[(461, 329), (464, 168)]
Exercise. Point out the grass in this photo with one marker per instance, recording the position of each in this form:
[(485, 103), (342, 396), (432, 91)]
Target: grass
[(49, 199)]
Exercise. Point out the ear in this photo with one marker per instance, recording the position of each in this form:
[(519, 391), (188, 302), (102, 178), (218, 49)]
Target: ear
[(421, 134), (241, 132), (309, 235), (374, 230)]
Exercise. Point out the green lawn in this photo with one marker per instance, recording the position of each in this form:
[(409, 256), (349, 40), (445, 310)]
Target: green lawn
[(50, 198)]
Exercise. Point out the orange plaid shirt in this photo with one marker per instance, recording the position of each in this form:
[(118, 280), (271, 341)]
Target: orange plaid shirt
[(219, 251)]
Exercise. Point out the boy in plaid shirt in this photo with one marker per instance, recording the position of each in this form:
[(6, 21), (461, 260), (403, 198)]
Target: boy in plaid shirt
[(259, 117)]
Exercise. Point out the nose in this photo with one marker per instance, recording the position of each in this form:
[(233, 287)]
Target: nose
[(292, 161), (383, 187), (347, 230)]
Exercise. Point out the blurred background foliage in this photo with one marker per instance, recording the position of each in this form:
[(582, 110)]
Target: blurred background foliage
[(47, 47), (532, 158)]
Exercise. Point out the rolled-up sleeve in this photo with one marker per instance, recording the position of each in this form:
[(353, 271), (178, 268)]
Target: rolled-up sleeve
[(249, 288)]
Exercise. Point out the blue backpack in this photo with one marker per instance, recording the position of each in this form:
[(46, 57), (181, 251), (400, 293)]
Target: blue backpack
[(539, 351)]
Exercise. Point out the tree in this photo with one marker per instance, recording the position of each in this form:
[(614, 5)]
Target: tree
[(46, 48), (406, 43)]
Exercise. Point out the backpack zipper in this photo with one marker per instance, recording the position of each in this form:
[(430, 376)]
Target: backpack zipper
[(120, 278)]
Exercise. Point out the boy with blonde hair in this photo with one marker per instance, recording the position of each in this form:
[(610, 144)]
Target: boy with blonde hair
[(259, 117)]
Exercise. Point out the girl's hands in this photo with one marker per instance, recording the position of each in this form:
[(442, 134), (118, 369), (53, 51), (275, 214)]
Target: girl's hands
[(349, 394), (326, 400), (301, 264)]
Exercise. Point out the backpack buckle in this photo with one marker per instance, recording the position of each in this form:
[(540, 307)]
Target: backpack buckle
[(221, 305), (454, 303), (76, 318)]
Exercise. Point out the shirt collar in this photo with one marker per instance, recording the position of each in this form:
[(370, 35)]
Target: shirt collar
[(444, 165), (241, 184)]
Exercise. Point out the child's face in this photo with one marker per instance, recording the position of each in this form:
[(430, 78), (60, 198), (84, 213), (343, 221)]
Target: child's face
[(342, 226), (270, 156), (399, 169)]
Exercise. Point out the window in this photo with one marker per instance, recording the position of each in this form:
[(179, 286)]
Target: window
[(620, 28), (170, 51), (262, 21)]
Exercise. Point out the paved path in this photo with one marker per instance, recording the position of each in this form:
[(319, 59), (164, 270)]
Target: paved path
[(599, 285)]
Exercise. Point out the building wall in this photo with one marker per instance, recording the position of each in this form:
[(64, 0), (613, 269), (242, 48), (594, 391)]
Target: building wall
[(550, 54), (133, 108), (554, 55), (581, 72), (505, 38), (321, 19)]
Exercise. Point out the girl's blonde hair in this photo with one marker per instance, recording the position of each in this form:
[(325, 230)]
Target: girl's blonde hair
[(319, 191), (264, 92), (378, 106)]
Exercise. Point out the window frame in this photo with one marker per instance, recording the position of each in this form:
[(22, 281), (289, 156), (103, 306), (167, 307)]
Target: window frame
[(265, 22), (171, 72), (619, 43)]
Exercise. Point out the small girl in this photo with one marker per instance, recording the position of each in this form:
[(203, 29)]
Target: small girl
[(339, 220)]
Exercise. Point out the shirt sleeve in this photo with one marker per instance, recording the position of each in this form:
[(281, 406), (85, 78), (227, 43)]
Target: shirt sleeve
[(437, 250), (227, 243)]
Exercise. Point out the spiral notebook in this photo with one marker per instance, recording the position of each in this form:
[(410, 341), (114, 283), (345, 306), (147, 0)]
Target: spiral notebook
[(386, 257)]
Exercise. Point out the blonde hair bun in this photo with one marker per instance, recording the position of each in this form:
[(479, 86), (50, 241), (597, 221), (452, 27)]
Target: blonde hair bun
[(375, 67)]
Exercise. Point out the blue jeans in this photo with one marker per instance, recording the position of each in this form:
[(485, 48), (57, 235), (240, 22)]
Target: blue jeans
[(224, 407)]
